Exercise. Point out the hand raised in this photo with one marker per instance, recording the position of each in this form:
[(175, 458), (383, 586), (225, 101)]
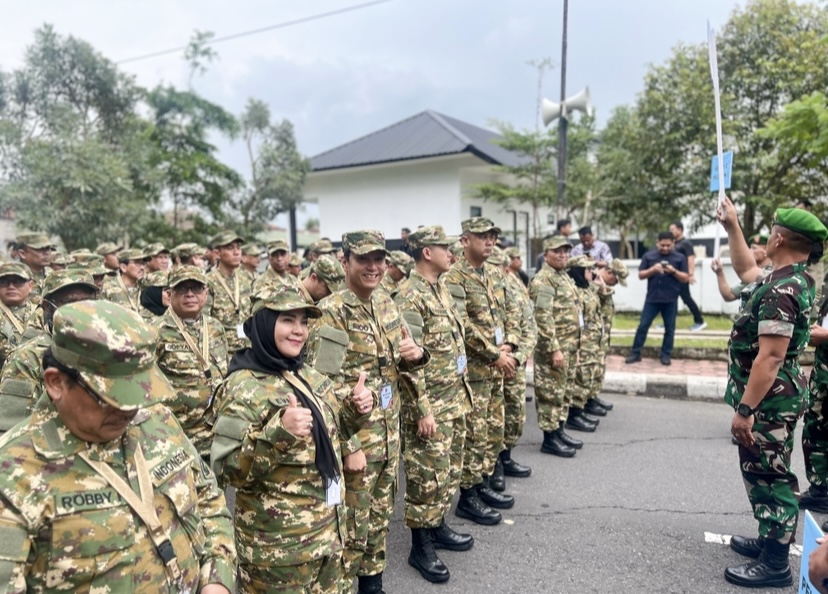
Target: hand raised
[(362, 397), (298, 421), (409, 350)]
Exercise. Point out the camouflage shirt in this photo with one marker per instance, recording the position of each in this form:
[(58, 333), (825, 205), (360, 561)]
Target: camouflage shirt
[(65, 529), (557, 310), (429, 311), (779, 306), (528, 326), (270, 277), (224, 305), (116, 291), (592, 332), (389, 285), (819, 374), (13, 322), (282, 517), (21, 380), (194, 390), (36, 293)]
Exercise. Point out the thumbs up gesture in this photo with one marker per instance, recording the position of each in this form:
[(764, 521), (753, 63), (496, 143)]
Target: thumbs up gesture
[(297, 420), (362, 396), (409, 350)]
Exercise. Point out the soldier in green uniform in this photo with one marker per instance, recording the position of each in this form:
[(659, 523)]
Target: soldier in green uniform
[(612, 274), (322, 247), (229, 298), (326, 276), (35, 251), (15, 286), (768, 391), (100, 490), (251, 259), (59, 261), (492, 337), (295, 264), (110, 251), (91, 263), (158, 257), (125, 287), (188, 254), (399, 264), (362, 330), (191, 352), (557, 313), (277, 272), (21, 380), (433, 418)]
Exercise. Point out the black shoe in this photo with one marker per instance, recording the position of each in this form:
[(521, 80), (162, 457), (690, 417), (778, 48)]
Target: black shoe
[(370, 584), (512, 468), (446, 538), (552, 444), (423, 558), (771, 570), (492, 498), (665, 360), (498, 480), (472, 508), (595, 409), (578, 423), (749, 547), (579, 412), (602, 403), (632, 359), (815, 499), (528, 397), (569, 440)]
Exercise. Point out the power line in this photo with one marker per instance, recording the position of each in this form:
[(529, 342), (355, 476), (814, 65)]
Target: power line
[(314, 17)]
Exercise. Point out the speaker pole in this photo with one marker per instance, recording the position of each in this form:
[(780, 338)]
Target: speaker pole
[(562, 121)]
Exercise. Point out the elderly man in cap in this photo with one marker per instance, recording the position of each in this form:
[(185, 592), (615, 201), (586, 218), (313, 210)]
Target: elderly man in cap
[(277, 273), (109, 251), (492, 339), (191, 352), (158, 257), (767, 388), (21, 379), (124, 288), (399, 263), (229, 298), (362, 330), (100, 489), (15, 286), (35, 251)]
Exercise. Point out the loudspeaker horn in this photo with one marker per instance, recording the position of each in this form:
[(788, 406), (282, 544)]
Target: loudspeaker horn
[(552, 111)]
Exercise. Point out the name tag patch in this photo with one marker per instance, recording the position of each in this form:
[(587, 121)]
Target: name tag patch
[(169, 467), (69, 503)]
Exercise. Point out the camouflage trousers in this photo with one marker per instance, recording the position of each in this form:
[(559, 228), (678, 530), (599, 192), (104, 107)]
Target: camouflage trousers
[(484, 431), (320, 576), (432, 471), (514, 398), (602, 367), (766, 471), (369, 499), (586, 377), (553, 389), (815, 434)]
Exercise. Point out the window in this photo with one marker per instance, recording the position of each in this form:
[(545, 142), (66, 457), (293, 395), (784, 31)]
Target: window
[(476, 211), (550, 218)]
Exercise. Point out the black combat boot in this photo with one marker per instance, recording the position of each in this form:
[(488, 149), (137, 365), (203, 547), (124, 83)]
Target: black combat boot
[(815, 499), (568, 439), (472, 508), (370, 584), (446, 538), (492, 498), (577, 422), (594, 408), (552, 444), (423, 558), (513, 468), (749, 547), (498, 479), (771, 570), (602, 403), (579, 412)]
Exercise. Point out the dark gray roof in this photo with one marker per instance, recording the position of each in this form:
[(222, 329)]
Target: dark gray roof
[(427, 134)]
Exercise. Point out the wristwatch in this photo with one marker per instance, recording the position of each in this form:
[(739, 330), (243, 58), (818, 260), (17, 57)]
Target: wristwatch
[(744, 410)]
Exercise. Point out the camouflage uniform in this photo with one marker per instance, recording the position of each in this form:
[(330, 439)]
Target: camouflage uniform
[(404, 263), (271, 277), (13, 318), (153, 279), (814, 429), (116, 290), (224, 305), (590, 355), (514, 389), (36, 241), (779, 306), (354, 336), (66, 527)]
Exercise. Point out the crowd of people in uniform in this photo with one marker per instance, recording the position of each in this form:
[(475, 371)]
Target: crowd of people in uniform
[(137, 385)]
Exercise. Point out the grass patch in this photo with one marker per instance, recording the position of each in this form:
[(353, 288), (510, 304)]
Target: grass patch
[(679, 343), (629, 321)]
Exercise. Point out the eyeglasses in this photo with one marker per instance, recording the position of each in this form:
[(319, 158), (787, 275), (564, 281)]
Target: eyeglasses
[(12, 281), (92, 394), (195, 288)]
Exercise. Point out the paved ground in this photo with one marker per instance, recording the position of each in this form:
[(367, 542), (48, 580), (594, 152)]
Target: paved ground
[(678, 367)]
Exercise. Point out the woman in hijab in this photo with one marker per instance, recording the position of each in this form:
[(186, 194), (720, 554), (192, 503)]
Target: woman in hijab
[(154, 300), (277, 441)]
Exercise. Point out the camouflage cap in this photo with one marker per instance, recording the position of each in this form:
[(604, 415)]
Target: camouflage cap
[(556, 242), (225, 238), (80, 252), (363, 242), (580, 262), (281, 297), (295, 260), (93, 263), (157, 278), (179, 274), (252, 249), (187, 250), (15, 269), (155, 249), (60, 259), (131, 255), (620, 270), (60, 279), (513, 253), (329, 270), (456, 248), (280, 245), (432, 235), (36, 241), (323, 246), (108, 248), (113, 349), (400, 259), (497, 257), (479, 225)]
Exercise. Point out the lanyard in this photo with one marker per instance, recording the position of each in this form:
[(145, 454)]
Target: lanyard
[(143, 506), (234, 299), (447, 305), (18, 325), (379, 337), (203, 355), (132, 304)]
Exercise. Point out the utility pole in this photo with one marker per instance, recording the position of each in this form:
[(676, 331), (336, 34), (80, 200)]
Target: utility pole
[(562, 122)]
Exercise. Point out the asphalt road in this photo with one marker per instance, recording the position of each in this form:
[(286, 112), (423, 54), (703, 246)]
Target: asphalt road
[(628, 514)]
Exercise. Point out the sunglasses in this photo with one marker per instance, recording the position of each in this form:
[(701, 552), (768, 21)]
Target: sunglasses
[(195, 288), (12, 281)]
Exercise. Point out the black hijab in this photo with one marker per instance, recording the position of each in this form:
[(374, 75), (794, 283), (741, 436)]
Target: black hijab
[(151, 299), (264, 357), (578, 274)]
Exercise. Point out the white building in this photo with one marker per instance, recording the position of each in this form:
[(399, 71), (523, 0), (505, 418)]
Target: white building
[(420, 171)]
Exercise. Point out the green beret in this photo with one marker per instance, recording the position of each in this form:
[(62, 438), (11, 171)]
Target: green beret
[(802, 222)]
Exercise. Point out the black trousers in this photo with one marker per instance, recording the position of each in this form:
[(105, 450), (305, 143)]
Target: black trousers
[(691, 305)]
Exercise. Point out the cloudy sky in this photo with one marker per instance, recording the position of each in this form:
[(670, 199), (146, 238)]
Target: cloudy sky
[(344, 76)]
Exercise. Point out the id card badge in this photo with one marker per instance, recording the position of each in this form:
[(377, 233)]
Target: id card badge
[(385, 396), (461, 364), (240, 331), (580, 319), (825, 322), (498, 336), (333, 494)]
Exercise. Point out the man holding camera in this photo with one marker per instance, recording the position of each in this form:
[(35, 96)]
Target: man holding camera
[(665, 271)]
